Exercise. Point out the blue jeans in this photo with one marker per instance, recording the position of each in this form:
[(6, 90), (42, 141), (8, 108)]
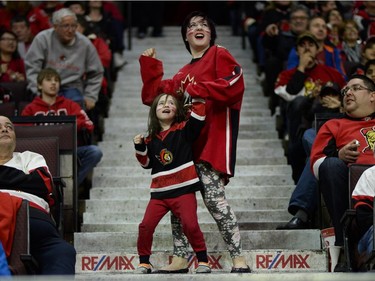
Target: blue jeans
[(73, 94), (333, 183), (305, 193), (54, 255), (366, 244), (4, 270), (89, 156)]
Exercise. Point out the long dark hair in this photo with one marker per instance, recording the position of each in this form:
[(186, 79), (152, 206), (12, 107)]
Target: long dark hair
[(186, 23), (153, 122)]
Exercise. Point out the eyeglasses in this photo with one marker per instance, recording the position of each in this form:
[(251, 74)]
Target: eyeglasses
[(196, 25), (8, 39), (354, 88), (68, 26)]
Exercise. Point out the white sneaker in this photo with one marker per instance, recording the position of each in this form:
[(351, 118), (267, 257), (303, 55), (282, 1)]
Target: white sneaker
[(203, 267)]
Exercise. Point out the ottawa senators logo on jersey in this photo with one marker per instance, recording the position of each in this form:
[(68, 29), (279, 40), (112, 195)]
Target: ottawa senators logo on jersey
[(165, 156), (369, 135)]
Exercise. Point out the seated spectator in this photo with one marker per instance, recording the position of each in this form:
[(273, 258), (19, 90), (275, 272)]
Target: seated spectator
[(303, 202), (300, 86), (274, 20), (253, 11), (21, 27), (103, 24), (77, 7), (278, 47), (101, 109), (328, 54), (12, 68), (368, 53), (350, 46), (340, 142), (72, 54), (370, 69), (365, 19), (49, 7), (26, 176), (334, 21), (49, 103), (363, 199), (37, 18)]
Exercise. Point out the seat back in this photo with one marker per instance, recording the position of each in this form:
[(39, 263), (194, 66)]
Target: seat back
[(46, 146), (65, 128), (21, 241), (321, 118), (8, 109), (18, 90)]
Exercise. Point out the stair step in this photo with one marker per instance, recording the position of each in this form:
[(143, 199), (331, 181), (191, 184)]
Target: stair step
[(110, 192), (142, 181), (260, 239), (243, 215)]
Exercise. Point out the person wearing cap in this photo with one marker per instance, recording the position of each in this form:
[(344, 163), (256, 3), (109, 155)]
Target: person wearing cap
[(327, 54), (303, 202), (299, 86), (340, 142)]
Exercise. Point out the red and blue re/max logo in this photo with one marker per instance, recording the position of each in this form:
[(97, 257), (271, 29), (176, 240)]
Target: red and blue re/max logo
[(96, 263), (282, 261)]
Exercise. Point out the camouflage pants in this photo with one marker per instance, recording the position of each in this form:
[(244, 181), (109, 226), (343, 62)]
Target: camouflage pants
[(214, 198)]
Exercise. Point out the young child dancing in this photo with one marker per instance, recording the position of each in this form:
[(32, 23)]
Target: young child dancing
[(167, 150)]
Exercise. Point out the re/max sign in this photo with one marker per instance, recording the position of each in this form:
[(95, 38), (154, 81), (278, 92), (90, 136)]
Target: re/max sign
[(282, 261), (125, 263)]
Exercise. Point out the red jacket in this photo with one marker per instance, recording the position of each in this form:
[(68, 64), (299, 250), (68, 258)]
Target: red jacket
[(63, 107), (336, 133), (217, 78)]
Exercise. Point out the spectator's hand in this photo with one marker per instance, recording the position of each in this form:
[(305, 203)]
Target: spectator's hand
[(305, 60), (151, 52), (330, 102), (138, 139), (272, 30), (349, 153), (89, 104)]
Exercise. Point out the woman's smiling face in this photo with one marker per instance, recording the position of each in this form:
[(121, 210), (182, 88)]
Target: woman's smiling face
[(198, 34)]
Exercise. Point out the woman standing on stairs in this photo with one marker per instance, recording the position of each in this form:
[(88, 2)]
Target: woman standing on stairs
[(212, 74)]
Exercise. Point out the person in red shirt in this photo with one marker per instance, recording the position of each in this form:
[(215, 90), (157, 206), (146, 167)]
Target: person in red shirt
[(49, 103), (12, 67), (37, 18), (340, 142)]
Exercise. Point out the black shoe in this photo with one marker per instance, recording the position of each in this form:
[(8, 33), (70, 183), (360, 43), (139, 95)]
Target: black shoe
[(341, 267), (241, 270), (294, 223)]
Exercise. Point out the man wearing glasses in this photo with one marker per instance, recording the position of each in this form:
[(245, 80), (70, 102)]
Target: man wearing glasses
[(71, 54), (340, 142)]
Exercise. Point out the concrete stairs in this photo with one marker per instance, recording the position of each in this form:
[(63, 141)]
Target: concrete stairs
[(259, 192)]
